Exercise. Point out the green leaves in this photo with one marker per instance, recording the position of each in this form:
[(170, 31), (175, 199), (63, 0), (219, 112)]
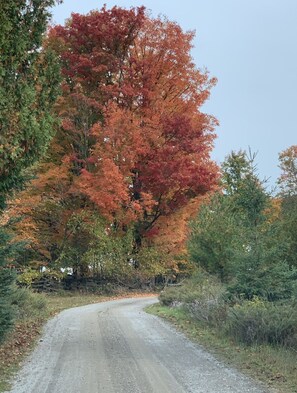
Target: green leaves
[(29, 84), (237, 236), (213, 237), (6, 279)]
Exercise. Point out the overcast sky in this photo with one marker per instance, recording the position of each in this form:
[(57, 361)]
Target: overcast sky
[(251, 47)]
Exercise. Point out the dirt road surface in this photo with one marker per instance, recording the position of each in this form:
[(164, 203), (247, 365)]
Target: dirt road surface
[(115, 347)]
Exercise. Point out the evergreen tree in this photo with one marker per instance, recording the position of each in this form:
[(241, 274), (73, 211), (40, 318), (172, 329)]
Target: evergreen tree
[(237, 237), (29, 80), (29, 85)]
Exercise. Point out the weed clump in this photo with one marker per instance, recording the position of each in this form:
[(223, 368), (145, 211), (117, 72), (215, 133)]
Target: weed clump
[(260, 322)]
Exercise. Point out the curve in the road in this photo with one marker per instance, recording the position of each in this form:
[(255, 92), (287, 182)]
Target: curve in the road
[(115, 347)]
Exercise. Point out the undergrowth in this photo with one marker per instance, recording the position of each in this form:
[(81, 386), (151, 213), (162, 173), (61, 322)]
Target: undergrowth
[(258, 335), (276, 367)]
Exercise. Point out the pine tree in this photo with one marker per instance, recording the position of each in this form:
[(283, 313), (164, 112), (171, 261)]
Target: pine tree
[(29, 80), (29, 85)]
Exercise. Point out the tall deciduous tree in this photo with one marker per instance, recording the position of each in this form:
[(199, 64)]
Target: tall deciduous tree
[(134, 145), (132, 95)]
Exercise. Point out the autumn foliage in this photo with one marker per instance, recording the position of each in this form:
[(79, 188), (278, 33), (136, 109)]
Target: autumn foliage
[(131, 112), (134, 145), (288, 166)]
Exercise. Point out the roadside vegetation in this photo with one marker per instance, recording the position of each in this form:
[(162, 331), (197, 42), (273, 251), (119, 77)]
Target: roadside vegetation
[(273, 365), (242, 298)]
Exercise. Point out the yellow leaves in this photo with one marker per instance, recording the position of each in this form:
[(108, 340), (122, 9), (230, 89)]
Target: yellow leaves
[(274, 211)]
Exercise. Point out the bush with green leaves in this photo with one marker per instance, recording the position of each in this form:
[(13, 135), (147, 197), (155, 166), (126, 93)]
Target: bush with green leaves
[(202, 295), (27, 304), (8, 250), (261, 322), (270, 280), (173, 296), (6, 312), (27, 277), (17, 303)]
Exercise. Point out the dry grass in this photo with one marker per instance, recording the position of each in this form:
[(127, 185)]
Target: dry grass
[(276, 367)]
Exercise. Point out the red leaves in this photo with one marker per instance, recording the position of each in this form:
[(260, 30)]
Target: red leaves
[(93, 46), (131, 113)]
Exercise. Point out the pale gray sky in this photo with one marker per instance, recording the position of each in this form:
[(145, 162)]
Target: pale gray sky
[(251, 47)]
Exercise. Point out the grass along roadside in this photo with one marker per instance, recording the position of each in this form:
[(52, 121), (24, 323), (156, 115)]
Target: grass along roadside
[(21, 340), (276, 367)]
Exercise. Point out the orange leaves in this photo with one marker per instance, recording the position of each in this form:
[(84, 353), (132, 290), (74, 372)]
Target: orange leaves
[(137, 144), (53, 179), (119, 139), (161, 65), (106, 187)]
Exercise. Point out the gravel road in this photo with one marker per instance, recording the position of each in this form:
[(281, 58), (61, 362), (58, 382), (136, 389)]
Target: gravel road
[(115, 347)]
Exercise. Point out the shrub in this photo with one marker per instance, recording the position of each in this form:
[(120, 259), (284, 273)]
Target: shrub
[(6, 312), (6, 320), (259, 273), (202, 295), (206, 301), (258, 322), (210, 309), (170, 296), (27, 304), (28, 276)]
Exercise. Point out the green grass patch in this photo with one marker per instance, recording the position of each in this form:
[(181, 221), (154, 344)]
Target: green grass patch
[(276, 367)]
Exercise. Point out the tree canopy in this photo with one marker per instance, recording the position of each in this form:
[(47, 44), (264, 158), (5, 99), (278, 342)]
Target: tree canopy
[(133, 148), (132, 125)]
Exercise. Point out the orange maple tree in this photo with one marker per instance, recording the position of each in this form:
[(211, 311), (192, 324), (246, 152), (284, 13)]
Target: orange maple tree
[(133, 144), (138, 141)]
